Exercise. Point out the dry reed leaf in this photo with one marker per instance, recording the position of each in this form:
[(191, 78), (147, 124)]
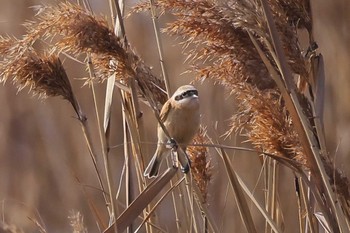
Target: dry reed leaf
[(259, 206), (140, 203), (239, 195)]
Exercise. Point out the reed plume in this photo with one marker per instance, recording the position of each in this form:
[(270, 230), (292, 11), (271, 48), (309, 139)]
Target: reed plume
[(232, 61), (44, 75), (298, 12), (218, 46), (76, 31), (218, 41), (200, 163)]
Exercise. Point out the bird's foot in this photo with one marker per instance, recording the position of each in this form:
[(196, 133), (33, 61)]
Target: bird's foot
[(186, 168), (174, 159), (171, 144)]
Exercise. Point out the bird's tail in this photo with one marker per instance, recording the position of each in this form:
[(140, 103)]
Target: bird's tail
[(153, 166)]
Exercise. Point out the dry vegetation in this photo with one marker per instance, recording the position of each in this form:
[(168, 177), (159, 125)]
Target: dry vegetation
[(263, 52)]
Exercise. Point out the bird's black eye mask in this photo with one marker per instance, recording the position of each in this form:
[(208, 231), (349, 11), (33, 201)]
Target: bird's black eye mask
[(186, 94)]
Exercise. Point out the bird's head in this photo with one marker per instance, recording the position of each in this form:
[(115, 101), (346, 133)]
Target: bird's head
[(186, 97)]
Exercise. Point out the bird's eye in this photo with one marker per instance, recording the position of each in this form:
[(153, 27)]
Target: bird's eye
[(186, 94)]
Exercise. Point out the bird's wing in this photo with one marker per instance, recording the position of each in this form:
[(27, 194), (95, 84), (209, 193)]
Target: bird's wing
[(165, 111)]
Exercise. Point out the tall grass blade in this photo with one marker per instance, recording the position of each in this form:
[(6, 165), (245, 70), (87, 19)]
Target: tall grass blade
[(108, 105), (317, 64), (239, 196), (141, 202), (158, 202), (322, 220), (266, 215)]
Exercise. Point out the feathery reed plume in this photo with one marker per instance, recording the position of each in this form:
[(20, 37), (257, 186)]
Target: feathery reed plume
[(79, 31), (44, 75), (297, 11), (248, 16), (6, 45), (222, 51), (204, 25), (200, 165), (262, 119), (298, 15), (289, 16), (233, 62)]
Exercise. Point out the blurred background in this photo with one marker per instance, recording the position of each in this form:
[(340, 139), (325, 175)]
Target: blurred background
[(43, 152)]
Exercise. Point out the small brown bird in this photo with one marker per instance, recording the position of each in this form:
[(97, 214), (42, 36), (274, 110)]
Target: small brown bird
[(180, 116)]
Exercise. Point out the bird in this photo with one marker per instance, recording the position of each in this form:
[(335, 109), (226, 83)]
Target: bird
[(181, 117)]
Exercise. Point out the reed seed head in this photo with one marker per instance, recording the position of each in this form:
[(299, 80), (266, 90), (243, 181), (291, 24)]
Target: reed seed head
[(75, 30), (200, 164)]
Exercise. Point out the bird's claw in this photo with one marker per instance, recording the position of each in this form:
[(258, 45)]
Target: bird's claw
[(171, 144), (174, 159), (186, 168)]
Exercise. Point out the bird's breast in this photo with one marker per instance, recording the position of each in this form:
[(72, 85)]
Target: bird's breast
[(183, 124)]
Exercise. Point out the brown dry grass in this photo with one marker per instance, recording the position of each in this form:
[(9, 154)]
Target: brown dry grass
[(216, 37)]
